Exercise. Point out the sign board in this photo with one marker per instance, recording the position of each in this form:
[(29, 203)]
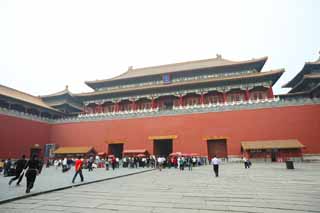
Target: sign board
[(166, 78)]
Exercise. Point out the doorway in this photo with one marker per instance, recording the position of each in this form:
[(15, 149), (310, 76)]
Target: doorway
[(162, 147), (274, 153), (217, 147), (115, 149)]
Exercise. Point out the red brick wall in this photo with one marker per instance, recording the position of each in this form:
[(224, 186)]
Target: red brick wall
[(18, 135), (302, 123)]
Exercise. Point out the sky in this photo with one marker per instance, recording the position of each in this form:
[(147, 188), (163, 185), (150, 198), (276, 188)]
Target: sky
[(46, 45)]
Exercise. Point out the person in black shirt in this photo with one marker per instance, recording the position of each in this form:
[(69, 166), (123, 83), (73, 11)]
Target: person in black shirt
[(33, 166), (20, 164)]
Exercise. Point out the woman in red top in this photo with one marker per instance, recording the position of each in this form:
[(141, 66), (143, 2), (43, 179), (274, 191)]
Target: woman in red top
[(78, 169)]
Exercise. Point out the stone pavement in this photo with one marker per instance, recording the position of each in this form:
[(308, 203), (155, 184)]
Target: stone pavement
[(51, 179), (266, 187)]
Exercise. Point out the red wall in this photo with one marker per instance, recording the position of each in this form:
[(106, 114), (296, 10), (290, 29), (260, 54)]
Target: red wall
[(300, 122), (18, 135)]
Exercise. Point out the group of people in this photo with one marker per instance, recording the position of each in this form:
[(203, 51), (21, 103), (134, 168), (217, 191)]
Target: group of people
[(32, 167), (180, 162), (6, 167), (28, 168)]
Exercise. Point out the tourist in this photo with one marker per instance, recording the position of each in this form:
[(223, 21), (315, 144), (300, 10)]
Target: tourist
[(194, 161), (78, 169), (135, 162), (117, 162), (143, 162), (178, 162), (56, 163), (7, 167), (107, 163), (160, 162), (1, 165), (20, 164), (189, 162), (181, 163), (33, 167), (153, 161), (215, 162), (64, 165), (175, 162), (90, 164), (246, 163), (113, 163)]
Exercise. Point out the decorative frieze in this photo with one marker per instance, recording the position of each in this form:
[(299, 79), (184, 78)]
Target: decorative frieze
[(222, 89)]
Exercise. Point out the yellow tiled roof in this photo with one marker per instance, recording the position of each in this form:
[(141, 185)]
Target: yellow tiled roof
[(177, 67), (134, 151), (271, 144), (16, 94)]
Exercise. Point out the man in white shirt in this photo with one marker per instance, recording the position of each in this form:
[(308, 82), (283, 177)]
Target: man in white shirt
[(215, 162)]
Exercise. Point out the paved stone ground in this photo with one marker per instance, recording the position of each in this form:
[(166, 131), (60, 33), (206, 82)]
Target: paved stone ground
[(263, 188), (51, 178)]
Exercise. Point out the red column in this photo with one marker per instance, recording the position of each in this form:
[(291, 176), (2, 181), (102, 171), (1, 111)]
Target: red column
[(133, 105), (247, 95), (152, 103), (117, 107), (114, 107), (99, 107), (270, 92), (181, 100), (224, 97), (202, 98)]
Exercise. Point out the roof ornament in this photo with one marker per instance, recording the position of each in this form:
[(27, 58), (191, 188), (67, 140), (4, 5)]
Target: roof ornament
[(67, 87), (130, 68), (219, 56)]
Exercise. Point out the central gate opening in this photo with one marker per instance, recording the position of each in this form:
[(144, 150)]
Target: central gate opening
[(217, 147), (115, 149), (162, 147)]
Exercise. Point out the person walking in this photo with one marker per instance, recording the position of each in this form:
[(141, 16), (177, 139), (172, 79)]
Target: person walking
[(113, 163), (246, 163), (107, 163), (90, 163), (20, 164), (78, 169), (215, 162), (189, 162), (64, 165), (32, 167)]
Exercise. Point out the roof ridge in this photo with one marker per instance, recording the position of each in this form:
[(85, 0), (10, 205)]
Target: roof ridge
[(1, 85), (66, 90), (184, 62), (316, 61), (271, 72), (218, 58), (23, 96)]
